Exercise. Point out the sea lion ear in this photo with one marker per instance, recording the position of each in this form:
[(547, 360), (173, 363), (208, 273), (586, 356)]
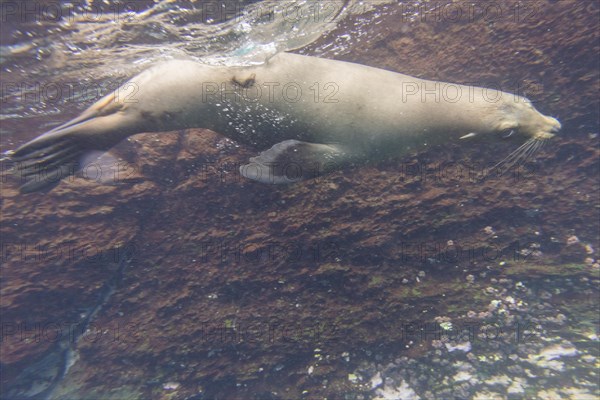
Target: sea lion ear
[(292, 161)]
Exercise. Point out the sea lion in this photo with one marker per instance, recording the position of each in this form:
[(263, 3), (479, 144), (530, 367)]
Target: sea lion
[(315, 114)]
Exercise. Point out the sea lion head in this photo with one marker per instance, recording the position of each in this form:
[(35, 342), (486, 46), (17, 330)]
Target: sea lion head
[(519, 117)]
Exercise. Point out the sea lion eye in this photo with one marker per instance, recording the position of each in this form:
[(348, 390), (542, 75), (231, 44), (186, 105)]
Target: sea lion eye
[(507, 133)]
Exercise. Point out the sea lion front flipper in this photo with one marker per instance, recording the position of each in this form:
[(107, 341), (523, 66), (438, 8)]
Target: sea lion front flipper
[(292, 161)]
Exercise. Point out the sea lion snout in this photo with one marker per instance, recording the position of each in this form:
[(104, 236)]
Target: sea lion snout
[(556, 125), (533, 123), (549, 131)]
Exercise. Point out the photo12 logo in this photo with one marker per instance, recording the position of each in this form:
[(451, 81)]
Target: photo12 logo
[(268, 92), (443, 92), (445, 332), (264, 332), (67, 331), (462, 11), (67, 252), (256, 253), (67, 11)]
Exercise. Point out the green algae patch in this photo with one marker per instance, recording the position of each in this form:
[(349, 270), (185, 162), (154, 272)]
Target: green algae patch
[(332, 267), (376, 281), (70, 390), (535, 270)]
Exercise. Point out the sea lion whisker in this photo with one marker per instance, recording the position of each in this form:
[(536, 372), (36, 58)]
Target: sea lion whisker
[(529, 153), (514, 157), (515, 153), (531, 150), (537, 145), (542, 143)]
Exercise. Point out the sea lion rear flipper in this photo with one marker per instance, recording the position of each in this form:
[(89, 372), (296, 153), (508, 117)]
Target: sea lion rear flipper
[(43, 162), (292, 161), (45, 172)]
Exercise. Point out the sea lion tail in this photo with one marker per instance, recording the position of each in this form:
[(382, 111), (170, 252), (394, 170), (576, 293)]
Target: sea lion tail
[(43, 162)]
